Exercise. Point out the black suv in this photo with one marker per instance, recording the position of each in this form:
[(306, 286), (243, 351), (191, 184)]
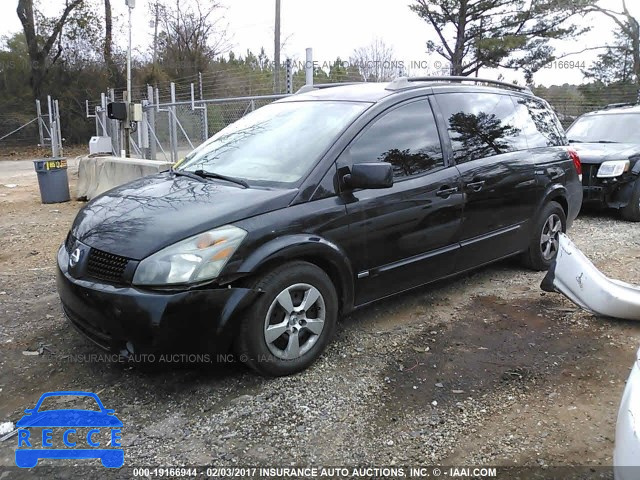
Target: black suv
[(608, 142), (316, 205)]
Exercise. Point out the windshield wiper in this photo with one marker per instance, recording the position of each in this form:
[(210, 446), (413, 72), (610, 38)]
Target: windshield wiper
[(605, 141), (184, 173), (575, 141), (237, 181)]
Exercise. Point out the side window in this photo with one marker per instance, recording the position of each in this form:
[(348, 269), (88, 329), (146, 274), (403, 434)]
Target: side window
[(539, 124), (481, 125), (406, 137)]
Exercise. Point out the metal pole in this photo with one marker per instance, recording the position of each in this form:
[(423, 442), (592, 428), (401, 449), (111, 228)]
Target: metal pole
[(276, 57), (40, 129), (205, 116), (103, 114), (127, 126), (53, 130), (309, 67), (59, 134), (289, 77), (151, 124), (174, 126)]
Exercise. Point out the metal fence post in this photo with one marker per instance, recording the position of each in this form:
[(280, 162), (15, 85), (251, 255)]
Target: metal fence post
[(40, 128), (173, 126), (53, 129), (150, 124), (309, 67), (114, 128), (289, 76), (59, 127), (103, 114)]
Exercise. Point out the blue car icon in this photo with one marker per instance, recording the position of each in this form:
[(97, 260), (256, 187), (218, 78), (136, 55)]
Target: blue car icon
[(29, 452)]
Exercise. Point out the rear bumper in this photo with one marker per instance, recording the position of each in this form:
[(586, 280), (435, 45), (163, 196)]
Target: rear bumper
[(122, 319)]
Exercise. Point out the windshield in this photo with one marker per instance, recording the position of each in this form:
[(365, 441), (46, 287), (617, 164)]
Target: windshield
[(277, 145), (618, 128)]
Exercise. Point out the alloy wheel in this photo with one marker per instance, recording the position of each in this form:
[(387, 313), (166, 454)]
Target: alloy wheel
[(550, 238), (294, 322)]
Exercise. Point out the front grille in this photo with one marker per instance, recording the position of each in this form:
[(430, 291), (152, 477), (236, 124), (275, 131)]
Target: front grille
[(106, 266)]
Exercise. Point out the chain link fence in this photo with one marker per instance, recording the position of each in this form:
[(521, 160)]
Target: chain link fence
[(177, 117)]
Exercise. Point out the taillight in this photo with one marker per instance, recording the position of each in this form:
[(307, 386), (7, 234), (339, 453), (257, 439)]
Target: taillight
[(576, 162)]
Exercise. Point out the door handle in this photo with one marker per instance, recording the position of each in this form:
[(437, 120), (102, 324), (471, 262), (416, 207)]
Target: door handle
[(446, 192), (476, 186)]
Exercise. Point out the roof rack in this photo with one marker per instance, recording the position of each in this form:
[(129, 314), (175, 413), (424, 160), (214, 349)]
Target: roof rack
[(319, 86), (618, 105), (406, 82)]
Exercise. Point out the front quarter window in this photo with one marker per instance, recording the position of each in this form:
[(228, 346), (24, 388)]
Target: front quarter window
[(277, 145)]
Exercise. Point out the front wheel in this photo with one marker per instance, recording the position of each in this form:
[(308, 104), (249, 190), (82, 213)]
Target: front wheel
[(545, 239), (632, 211), (291, 323)]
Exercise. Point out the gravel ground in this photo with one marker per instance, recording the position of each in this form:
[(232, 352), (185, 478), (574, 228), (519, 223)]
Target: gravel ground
[(484, 369)]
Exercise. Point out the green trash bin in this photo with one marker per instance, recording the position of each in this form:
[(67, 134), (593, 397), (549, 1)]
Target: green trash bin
[(52, 180)]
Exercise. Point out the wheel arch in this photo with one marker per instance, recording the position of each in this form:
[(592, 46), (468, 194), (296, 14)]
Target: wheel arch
[(558, 194), (310, 248)]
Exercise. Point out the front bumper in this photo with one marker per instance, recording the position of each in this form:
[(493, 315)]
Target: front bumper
[(127, 319), (607, 192), (626, 455), (573, 275)]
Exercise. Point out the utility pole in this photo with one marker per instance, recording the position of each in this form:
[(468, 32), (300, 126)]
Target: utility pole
[(276, 59), (127, 127), (155, 38)]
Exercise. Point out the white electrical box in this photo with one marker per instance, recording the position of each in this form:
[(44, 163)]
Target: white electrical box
[(99, 145), (136, 112)]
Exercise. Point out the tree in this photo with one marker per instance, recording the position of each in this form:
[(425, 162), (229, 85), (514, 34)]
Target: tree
[(191, 36), (113, 72), (376, 61), (498, 33), (621, 61), (40, 48)]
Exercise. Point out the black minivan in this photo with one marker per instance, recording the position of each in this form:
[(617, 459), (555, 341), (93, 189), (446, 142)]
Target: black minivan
[(313, 206)]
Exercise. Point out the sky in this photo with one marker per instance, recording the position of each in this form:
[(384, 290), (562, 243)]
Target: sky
[(336, 27)]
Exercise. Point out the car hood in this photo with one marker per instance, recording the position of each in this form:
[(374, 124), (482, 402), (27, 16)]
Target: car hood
[(596, 153), (148, 214)]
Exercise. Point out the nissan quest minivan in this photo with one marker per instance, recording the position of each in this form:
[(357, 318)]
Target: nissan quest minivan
[(313, 206)]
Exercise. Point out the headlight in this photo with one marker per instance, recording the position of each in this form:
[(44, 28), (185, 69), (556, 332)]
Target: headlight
[(195, 259), (613, 168)]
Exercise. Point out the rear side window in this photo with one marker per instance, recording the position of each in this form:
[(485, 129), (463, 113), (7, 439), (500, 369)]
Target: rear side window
[(406, 137), (538, 123), (481, 125)]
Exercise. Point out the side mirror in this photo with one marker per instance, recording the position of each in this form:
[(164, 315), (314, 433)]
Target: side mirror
[(369, 175)]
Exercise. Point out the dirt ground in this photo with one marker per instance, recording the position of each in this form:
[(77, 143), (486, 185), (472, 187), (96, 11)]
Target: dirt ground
[(484, 369)]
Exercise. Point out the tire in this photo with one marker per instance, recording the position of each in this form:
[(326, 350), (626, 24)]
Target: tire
[(631, 212), (276, 336), (543, 246)]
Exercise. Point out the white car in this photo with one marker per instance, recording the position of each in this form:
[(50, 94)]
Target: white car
[(626, 455)]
